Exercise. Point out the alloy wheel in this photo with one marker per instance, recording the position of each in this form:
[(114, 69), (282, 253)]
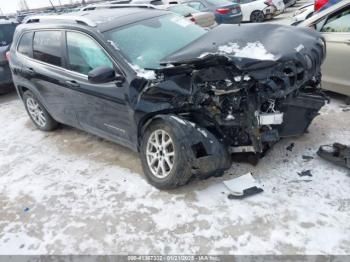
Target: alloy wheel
[(160, 153), (36, 112)]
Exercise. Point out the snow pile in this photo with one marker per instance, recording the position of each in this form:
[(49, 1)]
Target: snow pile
[(254, 50), (299, 48), (147, 74)]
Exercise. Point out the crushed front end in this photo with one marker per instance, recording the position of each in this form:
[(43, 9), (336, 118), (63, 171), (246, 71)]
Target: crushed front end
[(248, 103)]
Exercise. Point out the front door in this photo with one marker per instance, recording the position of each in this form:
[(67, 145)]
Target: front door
[(101, 109)]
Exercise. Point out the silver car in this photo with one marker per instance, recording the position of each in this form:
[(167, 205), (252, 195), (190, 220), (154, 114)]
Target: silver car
[(203, 19), (334, 24)]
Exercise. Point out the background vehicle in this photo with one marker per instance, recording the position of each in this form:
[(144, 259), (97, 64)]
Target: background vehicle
[(289, 3), (303, 13), (257, 11), (334, 25), (7, 29), (324, 4), (203, 19), (225, 12)]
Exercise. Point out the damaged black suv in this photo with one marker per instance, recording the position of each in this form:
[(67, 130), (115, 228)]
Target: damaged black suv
[(185, 98)]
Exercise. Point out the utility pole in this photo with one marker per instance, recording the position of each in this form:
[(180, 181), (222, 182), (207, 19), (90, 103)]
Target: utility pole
[(52, 5), (25, 4)]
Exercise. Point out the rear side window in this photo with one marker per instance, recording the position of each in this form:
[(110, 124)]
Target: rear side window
[(47, 47), (25, 44)]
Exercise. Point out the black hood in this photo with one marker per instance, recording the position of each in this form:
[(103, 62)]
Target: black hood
[(282, 43)]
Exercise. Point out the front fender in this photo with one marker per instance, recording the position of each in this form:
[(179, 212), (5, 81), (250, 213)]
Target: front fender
[(206, 154)]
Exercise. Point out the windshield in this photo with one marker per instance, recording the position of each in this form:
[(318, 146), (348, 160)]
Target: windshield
[(146, 42), (6, 34), (183, 10)]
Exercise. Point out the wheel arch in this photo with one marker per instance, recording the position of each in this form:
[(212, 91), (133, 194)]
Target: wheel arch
[(205, 153)]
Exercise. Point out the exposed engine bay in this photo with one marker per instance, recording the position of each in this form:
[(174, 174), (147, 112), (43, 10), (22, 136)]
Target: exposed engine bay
[(246, 104)]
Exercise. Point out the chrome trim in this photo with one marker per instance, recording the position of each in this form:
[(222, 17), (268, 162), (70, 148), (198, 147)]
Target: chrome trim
[(115, 6), (77, 19)]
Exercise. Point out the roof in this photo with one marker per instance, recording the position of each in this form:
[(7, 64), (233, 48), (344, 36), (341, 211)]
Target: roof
[(106, 19)]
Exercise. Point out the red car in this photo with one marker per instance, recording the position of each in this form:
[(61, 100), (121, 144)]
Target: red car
[(323, 4)]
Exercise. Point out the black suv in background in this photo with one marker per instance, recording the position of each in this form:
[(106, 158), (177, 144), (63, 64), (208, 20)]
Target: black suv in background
[(185, 98), (7, 29)]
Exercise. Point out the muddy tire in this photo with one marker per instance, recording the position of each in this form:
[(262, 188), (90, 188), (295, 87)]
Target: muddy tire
[(257, 16), (163, 157), (37, 113)]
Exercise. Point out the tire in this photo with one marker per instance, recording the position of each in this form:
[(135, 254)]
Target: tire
[(257, 16), (180, 172), (37, 113)]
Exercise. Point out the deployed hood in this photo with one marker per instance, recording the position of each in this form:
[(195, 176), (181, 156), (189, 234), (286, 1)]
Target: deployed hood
[(249, 46)]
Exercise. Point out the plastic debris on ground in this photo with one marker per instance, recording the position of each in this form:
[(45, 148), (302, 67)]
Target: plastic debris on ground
[(337, 154), (290, 147), (307, 158), (242, 186), (305, 173)]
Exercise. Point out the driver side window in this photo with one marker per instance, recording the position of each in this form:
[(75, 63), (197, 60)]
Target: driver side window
[(84, 54), (338, 23)]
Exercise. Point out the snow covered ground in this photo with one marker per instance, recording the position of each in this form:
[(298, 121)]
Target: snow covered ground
[(68, 192)]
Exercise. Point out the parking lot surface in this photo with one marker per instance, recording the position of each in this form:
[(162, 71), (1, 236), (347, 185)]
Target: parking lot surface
[(69, 192)]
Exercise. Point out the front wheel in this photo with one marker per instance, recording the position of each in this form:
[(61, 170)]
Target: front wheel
[(257, 16), (163, 157), (37, 113)]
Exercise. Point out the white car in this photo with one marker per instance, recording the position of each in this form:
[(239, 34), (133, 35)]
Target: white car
[(303, 13), (258, 10)]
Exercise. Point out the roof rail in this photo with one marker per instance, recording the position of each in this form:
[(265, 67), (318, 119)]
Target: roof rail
[(71, 18), (114, 6)]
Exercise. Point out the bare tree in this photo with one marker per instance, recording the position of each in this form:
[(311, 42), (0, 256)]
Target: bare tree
[(22, 5)]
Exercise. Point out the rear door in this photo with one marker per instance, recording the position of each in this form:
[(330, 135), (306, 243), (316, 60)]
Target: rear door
[(335, 69), (101, 108), (42, 61)]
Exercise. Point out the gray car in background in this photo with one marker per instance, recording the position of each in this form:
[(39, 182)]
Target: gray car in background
[(334, 25), (225, 12), (7, 29)]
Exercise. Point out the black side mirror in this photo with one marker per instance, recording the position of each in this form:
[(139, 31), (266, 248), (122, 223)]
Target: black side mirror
[(103, 74)]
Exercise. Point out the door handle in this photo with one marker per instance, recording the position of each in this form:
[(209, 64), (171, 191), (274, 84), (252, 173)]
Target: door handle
[(30, 72), (72, 83)]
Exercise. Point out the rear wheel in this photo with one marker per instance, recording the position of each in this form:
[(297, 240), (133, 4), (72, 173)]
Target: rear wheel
[(257, 16), (163, 157), (37, 113)]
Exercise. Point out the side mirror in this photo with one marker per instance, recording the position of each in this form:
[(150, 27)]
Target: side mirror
[(103, 74)]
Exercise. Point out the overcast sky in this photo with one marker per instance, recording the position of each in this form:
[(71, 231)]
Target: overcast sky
[(8, 6)]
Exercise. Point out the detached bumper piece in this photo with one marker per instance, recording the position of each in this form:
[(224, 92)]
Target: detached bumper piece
[(337, 153), (243, 186), (299, 112)]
